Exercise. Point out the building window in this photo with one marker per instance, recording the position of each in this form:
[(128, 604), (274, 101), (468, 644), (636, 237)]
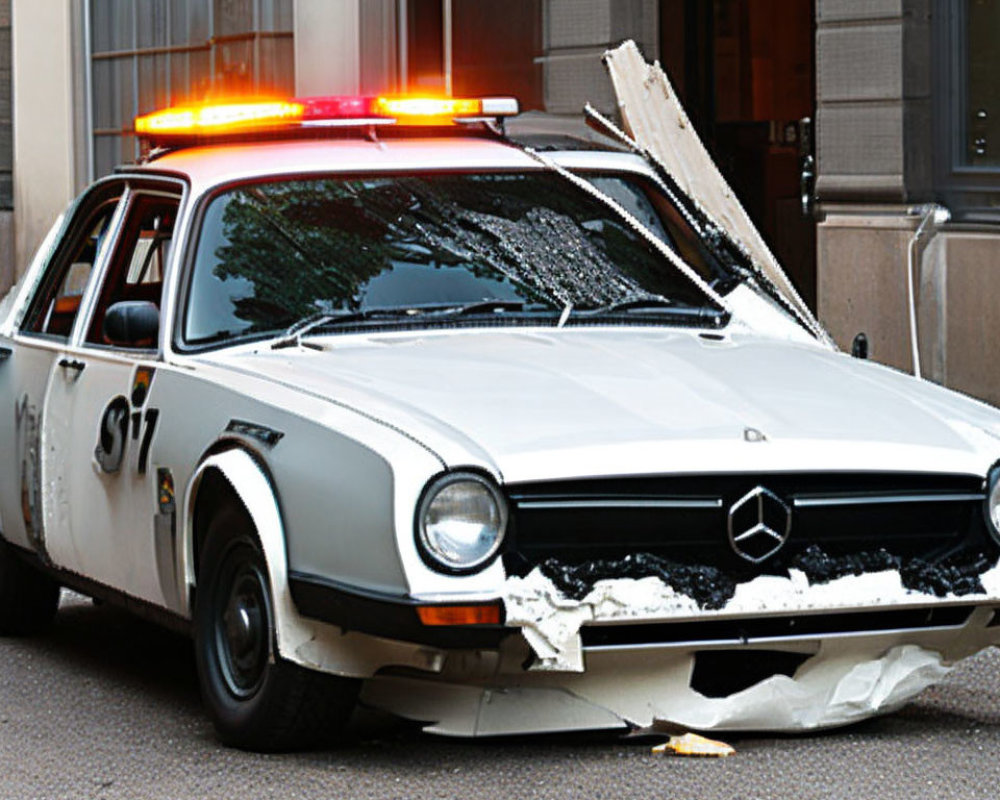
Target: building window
[(981, 114), (967, 107), (165, 52)]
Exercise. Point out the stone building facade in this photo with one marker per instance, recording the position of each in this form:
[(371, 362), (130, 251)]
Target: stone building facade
[(906, 102), (900, 94)]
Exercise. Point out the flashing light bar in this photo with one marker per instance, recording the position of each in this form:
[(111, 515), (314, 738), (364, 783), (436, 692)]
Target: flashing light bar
[(219, 118), (247, 116)]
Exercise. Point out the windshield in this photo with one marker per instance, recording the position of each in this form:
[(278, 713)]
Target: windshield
[(271, 255)]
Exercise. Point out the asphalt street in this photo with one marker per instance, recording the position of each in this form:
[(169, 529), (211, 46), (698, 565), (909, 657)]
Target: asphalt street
[(107, 706)]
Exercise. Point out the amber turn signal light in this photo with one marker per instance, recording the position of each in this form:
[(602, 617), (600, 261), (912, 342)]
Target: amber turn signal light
[(460, 615)]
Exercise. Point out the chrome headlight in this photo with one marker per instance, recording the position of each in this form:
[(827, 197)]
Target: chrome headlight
[(461, 522), (991, 509)]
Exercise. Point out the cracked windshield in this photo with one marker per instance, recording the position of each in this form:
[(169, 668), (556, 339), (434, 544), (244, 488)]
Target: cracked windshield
[(421, 248)]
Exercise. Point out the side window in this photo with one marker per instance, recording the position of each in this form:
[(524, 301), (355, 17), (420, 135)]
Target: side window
[(53, 310), (136, 269)]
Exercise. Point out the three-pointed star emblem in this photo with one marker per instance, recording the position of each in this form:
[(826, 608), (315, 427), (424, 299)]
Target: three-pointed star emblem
[(759, 524)]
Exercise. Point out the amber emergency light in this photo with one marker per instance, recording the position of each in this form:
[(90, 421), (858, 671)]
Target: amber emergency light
[(220, 118), (460, 615), (246, 116)]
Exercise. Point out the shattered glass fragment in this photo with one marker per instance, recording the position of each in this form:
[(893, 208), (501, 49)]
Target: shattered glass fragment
[(423, 241)]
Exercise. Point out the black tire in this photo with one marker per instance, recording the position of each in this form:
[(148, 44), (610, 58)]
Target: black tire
[(28, 598), (256, 700)]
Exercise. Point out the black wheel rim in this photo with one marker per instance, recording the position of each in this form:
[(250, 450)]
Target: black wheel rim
[(242, 629)]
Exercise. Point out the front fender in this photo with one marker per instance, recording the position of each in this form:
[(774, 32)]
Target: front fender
[(254, 490), (306, 642)]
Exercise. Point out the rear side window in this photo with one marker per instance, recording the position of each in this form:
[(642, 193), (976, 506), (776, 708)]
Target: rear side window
[(137, 264), (54, 308)]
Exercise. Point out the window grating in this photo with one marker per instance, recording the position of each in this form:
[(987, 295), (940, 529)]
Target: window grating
[(163, 52)]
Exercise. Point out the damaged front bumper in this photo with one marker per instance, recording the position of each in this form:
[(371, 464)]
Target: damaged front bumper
[(840, 681), (768, 607), (783, 654)]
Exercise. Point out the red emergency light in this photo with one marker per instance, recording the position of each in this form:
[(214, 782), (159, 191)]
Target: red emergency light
[(248, 116)]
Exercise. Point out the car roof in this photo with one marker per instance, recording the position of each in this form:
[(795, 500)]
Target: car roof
[(208, 166)]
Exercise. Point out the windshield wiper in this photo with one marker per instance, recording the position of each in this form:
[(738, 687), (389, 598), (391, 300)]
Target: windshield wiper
[(292, 337), (660, 306), (482, 307), (635, 304)]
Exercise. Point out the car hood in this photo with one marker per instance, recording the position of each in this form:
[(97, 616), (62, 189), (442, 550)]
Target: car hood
[(555, 403)]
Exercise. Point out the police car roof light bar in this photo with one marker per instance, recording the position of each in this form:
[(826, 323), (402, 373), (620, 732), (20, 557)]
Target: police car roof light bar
[(247, 116)]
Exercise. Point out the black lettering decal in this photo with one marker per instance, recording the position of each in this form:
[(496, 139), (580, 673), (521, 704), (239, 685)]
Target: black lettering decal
[(136, 423), (152, 415), (112, 435)]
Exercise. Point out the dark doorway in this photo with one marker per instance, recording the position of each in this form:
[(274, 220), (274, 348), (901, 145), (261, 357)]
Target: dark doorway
[(496, 46), (494, 49), (425, 47), (745, 71)]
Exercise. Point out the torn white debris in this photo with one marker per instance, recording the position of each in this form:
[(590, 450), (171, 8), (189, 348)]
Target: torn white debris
[(845, 681), (838, 689), (551, 621)]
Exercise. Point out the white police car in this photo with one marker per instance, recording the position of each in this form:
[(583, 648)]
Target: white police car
[(371, 398)]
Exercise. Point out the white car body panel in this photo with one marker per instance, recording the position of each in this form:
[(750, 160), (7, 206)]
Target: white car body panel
[(307, 642), (102, 544), (371, 418), (544, 404)]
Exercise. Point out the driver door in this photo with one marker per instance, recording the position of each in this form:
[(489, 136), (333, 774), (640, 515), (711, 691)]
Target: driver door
[(33, 357), (100, 522)]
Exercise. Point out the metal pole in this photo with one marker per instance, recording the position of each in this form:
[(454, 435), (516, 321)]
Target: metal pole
[(167, 19), (211, 49), (446, 14), (933, 215), (402, 28), (134, 45), (255, 46), (88, 91)]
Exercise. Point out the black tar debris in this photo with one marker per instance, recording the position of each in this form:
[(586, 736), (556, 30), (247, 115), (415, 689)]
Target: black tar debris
[(708, 586), (958, 575), (822, 568), (712, 588)]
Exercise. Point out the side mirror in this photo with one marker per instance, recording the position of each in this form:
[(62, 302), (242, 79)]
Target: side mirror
[(132, 323)]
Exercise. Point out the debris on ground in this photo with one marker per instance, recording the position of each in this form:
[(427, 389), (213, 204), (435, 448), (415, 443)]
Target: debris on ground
[(691, 744)]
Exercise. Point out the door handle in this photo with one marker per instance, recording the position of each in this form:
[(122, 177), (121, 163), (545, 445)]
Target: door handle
[(807, 186), (5, 353), (807, 168), (73, 364)]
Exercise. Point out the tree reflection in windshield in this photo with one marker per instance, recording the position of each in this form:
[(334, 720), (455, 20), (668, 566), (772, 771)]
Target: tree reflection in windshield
[(274, 253)]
